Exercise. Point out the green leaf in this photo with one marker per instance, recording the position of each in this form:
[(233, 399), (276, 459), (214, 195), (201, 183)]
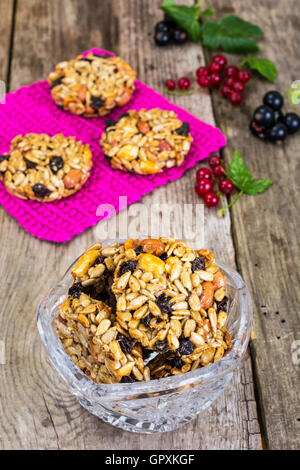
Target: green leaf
[(257, 186), (207, 12), (242, 178), (238, 172), (186, 17), (265, 67), (232, 34)]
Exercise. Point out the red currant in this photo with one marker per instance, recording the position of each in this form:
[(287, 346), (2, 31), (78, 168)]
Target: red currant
[(215, 67), (218, 171), (184, 83), (226, 91), (204, 186), (204, 81), (214, 160), (211, 199), (231, 71), (202, 71), (229, 82), (226, 186), (203, 173), (235, 99), (239, 87), (215, 79), (170, 84), (244, 75), (220, 59)]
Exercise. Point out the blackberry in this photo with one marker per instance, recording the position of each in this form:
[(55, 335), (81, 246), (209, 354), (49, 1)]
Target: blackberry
[(222, 305), (198, 264), (257, 130), (161, 346), (56, 164), (162, 27), (127, 379), (277, 132), (186, 347), (264, 116), (129, 265), (163, 301), (274, 99), (184, 129), (125, 343), (40, 190), (56, 82), (179, 36), (96, 102), (162, 38), (292, 122)]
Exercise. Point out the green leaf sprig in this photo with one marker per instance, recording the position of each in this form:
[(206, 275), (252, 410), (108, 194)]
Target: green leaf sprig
[(264, 67), (243, 180)]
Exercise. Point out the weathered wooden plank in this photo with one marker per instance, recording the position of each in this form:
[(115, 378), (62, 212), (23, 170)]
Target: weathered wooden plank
[(6, 21), (37, 409), (265, 227)]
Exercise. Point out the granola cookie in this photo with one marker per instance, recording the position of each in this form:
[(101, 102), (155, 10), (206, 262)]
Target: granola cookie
[(146, 141), (45, 168), (153, 296), (92, 85)]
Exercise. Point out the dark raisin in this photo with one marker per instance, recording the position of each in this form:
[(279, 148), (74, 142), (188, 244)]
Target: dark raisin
[(163, 301), (146, 320), (109, 123), (125, 343), (184, 129), (176, 362), (40, 190), (96, 102), (138, 249), (56, 163), (146, 353), (186, 347), (164, 256), (198, 264), (121, 116), (3, 157), (161, 346), (127, 379), (104, 55), (86, 59), (129, 265), (29, 164), (99, 260), (56, 82), (222, 305), (76, 290)]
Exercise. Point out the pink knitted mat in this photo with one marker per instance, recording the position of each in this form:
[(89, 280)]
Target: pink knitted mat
[(31, 109)]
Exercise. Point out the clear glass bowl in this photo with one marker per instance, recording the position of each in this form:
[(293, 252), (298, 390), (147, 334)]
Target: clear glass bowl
[(158, 405)]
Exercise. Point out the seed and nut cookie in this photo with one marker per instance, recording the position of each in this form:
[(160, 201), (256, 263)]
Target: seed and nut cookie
[(152, 296), (45, 168), (146, 141), (92, 85)]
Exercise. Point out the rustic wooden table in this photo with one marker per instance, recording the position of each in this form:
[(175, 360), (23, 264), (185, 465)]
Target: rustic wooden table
[(261, 407)]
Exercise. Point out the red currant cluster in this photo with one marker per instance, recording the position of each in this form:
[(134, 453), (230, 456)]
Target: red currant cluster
[(232, 78), (205, 184)]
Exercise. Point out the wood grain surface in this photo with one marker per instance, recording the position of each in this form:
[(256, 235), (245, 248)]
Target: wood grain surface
[(259, 236)]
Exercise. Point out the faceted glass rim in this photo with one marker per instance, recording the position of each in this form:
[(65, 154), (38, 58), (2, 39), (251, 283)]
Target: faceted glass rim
[(83, 386)]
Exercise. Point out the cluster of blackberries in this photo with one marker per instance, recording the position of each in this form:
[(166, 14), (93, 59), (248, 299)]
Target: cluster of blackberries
[(168, 30), (270, 123)]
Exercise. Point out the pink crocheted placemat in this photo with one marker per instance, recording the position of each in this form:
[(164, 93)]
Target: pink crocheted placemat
[(31, 109)]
